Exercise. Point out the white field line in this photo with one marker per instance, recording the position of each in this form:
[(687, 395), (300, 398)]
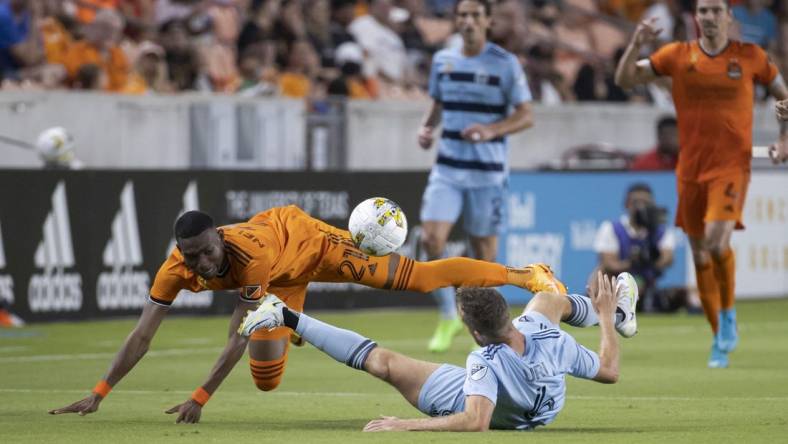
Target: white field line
[(378, 395), (86, 356)]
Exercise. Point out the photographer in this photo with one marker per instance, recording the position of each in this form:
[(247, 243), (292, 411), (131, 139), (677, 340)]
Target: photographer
[(638, 242)]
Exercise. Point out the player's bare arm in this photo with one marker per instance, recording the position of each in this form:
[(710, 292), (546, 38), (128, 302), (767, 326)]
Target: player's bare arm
[(603, 296), (522, 118), (779, 150), (189, 411), (431, 120), (476, 418), (133, 349), (631, 71)]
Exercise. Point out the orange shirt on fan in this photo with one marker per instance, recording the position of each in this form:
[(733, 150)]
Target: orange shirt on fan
[(714, 98), (86, 9), (281, 247), (113, 63)]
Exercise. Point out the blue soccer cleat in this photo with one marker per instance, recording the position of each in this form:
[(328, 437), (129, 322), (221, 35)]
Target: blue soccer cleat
[(718, 358), (728, 336)]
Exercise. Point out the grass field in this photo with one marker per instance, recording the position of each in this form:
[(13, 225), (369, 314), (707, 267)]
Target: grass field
[(666, 393)]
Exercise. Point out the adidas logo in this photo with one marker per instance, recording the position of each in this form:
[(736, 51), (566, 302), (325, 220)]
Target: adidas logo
[(187, 298), (55, 289), (6, 281), (123, 287)]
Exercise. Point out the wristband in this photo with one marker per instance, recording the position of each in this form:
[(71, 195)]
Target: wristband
[(102, 388), (200, 396)]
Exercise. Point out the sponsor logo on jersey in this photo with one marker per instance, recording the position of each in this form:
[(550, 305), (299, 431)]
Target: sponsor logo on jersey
[(54, 289), (6, 281), (124, 287)]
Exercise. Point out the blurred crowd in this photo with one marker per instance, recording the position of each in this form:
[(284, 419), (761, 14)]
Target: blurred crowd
[(362, 49)]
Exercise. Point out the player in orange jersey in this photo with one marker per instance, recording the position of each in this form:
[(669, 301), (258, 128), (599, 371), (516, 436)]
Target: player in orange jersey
[(279, 251), (713, 90)]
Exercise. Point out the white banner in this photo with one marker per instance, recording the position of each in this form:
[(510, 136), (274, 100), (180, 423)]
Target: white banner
[(761, 249)]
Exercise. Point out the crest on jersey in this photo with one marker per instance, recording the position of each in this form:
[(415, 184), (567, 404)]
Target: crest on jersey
[(202, 282), (477, 372), (253, 292), (482, 77), (734, 69)]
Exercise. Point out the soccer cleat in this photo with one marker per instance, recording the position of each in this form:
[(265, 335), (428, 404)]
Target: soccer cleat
[(538, 277), (268, 315), (9, 320), (627, 297), (728, 336), (718, 358), (446, 331)]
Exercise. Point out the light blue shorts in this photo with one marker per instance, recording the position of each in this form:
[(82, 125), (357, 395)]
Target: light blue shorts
[(484, 210), (442, 393)]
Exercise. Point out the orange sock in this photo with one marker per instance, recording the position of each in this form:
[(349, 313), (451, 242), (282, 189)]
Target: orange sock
[(709, 294), (725, 272), (452, 272), (268, 374)]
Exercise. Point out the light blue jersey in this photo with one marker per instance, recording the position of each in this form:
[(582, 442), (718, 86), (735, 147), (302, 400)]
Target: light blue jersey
[(528, 390), (480, 89)]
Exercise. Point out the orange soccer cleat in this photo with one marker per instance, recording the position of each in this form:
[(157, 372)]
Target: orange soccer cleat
[(536, 278)]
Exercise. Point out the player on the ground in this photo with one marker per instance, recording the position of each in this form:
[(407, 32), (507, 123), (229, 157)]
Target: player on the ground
[(713, 90), (280, 250), (515, 381), (480, 95)]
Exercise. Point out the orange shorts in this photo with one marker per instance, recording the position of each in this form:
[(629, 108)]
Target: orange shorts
[(721, 198), (341, 262)]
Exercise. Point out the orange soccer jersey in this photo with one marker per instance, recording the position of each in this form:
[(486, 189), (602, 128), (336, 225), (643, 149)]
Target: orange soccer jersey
[(714, 102)]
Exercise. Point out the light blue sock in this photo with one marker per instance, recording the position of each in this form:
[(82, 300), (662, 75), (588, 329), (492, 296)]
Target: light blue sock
[(446, 305), (343, 345)]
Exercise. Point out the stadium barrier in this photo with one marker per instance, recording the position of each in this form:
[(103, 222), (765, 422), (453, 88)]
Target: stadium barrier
[(87, 244), (224, 132)]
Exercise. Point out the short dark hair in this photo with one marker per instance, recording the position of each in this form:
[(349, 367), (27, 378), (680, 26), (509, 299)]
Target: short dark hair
[(666, 121), (639, 186), (192, 223), (487, 4), (483, 310)]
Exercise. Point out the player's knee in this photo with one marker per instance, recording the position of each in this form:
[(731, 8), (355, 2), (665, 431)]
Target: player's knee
[(718, 248), (378, 363)]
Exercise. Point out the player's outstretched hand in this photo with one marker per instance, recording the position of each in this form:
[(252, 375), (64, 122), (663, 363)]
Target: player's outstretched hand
[(778, 152), (604, 298), (84, 406), (189, 412), (477, 133), (385, 424), (646, 32), (425, 137)]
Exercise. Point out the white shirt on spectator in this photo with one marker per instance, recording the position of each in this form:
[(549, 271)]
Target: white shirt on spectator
[(384, 46), (606, 240)]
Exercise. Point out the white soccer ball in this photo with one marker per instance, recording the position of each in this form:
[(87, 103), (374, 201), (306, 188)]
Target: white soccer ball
[(378, 226), (55, 145)]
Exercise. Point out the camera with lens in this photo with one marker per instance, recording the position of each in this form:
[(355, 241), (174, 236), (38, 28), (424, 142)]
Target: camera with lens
[(650, 217)]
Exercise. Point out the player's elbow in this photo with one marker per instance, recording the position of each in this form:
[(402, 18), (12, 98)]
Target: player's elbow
[(607, 375), (477, 424)]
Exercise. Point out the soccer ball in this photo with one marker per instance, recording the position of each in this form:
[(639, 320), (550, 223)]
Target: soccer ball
[(378, 226), (55, 146)]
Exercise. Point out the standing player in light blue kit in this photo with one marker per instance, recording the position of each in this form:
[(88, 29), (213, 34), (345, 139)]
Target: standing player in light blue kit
[(515, 381), (481, 95)]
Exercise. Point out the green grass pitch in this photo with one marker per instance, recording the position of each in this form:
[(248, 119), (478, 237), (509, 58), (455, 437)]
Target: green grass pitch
[(666, 393)]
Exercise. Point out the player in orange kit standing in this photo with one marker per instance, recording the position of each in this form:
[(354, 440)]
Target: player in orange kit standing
[(280, 251), (713, 90)]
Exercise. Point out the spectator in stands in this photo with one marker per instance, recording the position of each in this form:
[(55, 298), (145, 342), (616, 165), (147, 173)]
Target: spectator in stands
[(298, 77), (89, 77), (259, 26), (342, 15), (546, 83), (665, 155), (99, 47), (180, 55), (87, 9), (351, 82), (595, 81), (757, 24), (509, 29), (258, 76), (638, 242), (375, 33), (150, 72), (318, 29), (16, 38)]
